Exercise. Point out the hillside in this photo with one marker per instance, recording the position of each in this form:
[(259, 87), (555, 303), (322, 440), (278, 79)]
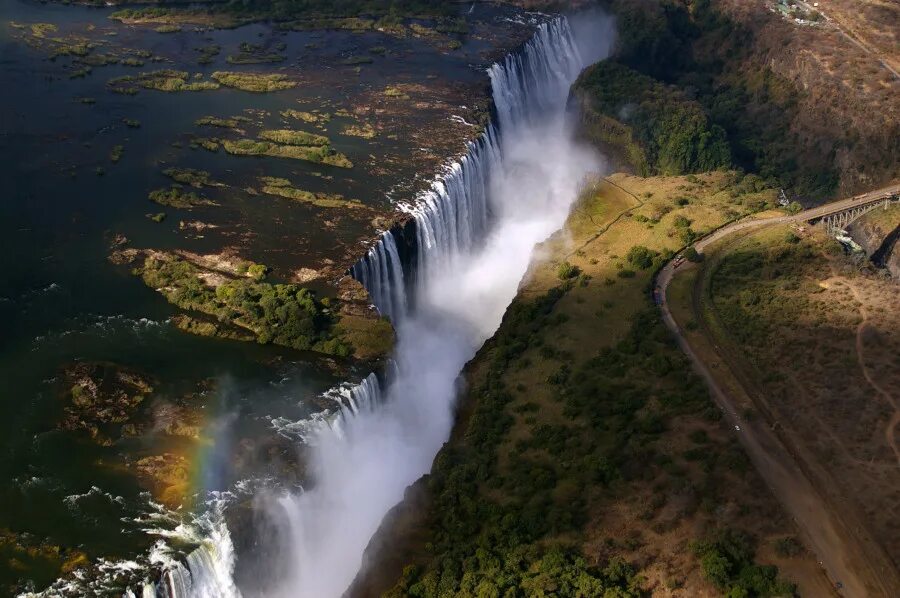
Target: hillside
[(777, 291), (804, 104), (586, 457)]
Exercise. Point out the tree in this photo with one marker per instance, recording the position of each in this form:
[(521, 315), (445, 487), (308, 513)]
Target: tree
[(794, 208), (641, 257)]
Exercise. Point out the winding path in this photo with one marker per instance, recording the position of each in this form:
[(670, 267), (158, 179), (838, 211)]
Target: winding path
[(856, 565)]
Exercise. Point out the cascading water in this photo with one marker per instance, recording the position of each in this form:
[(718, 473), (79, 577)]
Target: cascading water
[(475, 230), (382, 273), (453, 217)]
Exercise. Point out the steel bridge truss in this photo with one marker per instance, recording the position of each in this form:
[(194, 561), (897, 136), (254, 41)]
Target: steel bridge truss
[(839, 221)]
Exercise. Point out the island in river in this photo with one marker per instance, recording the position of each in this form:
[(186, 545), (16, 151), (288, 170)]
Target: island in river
[(184, 199)]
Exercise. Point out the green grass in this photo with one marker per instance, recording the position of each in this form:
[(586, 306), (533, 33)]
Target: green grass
[(254, 82), (317, 154), (283, 188)]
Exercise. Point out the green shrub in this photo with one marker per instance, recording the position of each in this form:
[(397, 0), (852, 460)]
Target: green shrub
[(726, 559), (641, 257), (692, 255), (794, 208), (566, 271)]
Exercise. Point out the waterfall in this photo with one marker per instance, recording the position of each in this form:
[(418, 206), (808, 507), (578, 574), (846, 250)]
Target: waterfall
[(445, 279), (354, 401), (534, 82), (381, 272), (453, 215)]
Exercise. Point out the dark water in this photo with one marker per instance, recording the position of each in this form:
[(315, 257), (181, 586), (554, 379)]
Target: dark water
[(62, 302)]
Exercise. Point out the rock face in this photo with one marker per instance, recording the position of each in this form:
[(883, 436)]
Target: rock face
[(878, 233)]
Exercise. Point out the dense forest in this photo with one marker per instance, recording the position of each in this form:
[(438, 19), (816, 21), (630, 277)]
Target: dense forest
[(669, 133), (683, 83)]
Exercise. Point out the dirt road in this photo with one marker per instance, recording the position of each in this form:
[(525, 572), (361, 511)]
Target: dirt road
[(847, 556)]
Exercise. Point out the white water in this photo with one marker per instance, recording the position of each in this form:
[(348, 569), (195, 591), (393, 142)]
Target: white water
[(476, 229)]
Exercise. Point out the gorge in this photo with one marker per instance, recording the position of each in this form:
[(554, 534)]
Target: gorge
[(468, 244)]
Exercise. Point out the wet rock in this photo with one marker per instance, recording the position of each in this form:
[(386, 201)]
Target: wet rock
[(304, 275), (167, 476), (22, 553), (102, 399)]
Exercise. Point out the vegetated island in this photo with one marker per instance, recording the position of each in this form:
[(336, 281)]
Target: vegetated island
[(283, 188), (284, 143), (229, 298)]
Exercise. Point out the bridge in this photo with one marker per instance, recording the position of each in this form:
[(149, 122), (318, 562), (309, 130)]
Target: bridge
[(839, 215)]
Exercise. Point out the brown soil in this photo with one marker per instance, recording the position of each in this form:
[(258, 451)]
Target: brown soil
[(823, 383)]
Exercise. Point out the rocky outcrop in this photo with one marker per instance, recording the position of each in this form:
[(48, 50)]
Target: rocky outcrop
[(878, 233)]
